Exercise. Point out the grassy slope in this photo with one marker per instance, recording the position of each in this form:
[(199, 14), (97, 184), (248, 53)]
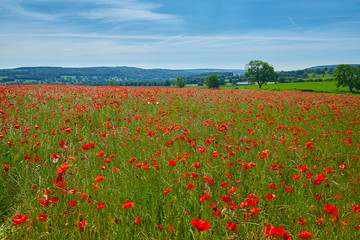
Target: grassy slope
[(329, 87), (315, 86)]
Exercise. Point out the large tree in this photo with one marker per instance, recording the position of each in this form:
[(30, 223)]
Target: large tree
[(348, 75), (213, 81), (260, 72), (180, 82)]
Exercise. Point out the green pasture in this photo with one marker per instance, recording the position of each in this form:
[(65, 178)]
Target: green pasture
[(328, 87)]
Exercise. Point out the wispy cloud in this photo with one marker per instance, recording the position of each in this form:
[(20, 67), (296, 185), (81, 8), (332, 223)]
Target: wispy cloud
[(172, 51), (16, 9), (125, 14), (153, 33), (292, 21), (126, 10), (105, 10), (165, 39)]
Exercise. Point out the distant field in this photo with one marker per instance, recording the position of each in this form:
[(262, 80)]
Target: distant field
[(301, 86), (326, 87)]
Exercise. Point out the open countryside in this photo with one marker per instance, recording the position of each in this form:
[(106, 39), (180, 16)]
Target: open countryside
[(179, 120)]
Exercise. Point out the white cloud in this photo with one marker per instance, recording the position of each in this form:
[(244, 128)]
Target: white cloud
[(178, 51), (106, 10), (15, 8), (125, 10), (124, 14)]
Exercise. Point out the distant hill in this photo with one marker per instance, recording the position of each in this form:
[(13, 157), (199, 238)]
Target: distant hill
[(132, 76), (96, 75), (212, 70), (329, 66)]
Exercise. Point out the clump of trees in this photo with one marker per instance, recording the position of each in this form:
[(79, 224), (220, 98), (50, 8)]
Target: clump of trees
[(349, 76), (213, 81), (260, 72), (180, 82)]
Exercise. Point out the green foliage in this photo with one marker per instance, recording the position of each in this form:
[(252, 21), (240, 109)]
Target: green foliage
[(223, 77), (349, 76), (213, 81), (180, 82), (167, 83), (260, 72)]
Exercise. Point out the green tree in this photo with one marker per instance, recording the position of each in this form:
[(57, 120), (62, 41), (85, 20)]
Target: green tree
[(180, 82), (260, 72), (167, 83), (213, 81), (348, 75)]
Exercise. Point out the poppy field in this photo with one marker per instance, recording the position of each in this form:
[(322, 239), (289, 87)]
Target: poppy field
[(81, 162)]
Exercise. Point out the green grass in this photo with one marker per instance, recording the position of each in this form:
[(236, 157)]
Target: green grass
[(321, 87), (327, 87)]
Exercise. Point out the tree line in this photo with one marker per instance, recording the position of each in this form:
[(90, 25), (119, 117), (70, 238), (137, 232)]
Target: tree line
[(261, 73)]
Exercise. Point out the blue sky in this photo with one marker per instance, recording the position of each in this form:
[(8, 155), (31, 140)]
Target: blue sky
[(289, 35)]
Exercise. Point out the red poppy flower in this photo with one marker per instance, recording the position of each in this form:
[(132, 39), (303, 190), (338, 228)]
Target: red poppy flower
[(204, 197), (190, 186), (63, 168), (271, 231), (172, 163), (83, 195), (197, 165), (270, 196), (231, 226), (331, 209), (73, 203), (99, 179), (167, 191), (61, 185), (100, 154), (320, 221), (217, 213), (88, 146), (101, 205), (303, 168), (355, 208), (226, 199), (137, 221), (301, 221), (6, 167), (224, 184), (19, 219), (82, 224), (201, 225), (305, 235), (73, 191), (128, 205), (246, 166), (42, 217), (255, 210)]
